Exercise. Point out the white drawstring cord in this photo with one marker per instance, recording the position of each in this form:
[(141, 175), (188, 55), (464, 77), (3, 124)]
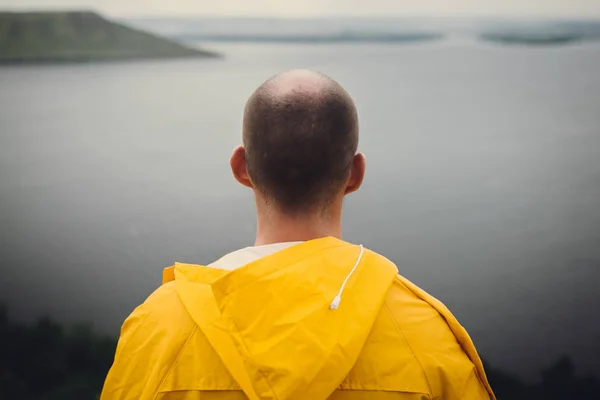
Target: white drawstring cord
[(338, 299)]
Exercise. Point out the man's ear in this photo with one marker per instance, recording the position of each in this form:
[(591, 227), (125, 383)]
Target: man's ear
[(238, 166), (357, 173)]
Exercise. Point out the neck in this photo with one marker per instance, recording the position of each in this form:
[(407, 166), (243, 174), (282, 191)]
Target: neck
[(276, 227)]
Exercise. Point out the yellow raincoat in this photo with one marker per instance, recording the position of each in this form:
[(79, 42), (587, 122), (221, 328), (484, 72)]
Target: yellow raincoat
[(320, 320)]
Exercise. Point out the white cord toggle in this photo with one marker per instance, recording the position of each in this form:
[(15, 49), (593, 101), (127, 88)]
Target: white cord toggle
[(338, 299)]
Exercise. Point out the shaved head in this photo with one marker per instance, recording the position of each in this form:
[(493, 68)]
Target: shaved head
[(300, 134)]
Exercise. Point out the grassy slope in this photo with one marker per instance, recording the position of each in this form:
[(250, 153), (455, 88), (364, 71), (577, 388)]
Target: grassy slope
[(79, 36)]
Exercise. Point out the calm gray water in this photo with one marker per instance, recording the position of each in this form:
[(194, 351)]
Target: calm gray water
[(483, 182)]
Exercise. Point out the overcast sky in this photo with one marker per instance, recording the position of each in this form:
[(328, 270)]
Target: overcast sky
[(300, 8)]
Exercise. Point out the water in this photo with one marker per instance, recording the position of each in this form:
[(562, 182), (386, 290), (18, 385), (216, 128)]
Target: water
[(483, 181)]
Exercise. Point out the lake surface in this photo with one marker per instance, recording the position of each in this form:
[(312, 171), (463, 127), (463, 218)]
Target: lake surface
[(483, 181)]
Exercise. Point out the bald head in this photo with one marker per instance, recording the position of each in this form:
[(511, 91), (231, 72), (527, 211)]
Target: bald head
[(300, 134)]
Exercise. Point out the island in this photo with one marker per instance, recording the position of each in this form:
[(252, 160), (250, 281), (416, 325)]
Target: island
[(542, 32), (80, 36), (528, 39)]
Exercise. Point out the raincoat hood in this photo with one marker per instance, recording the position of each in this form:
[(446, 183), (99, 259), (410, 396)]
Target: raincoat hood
[(290, 325)]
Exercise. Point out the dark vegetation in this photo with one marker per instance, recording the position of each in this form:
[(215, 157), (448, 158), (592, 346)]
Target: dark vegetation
[(45, 361), (79, 37)]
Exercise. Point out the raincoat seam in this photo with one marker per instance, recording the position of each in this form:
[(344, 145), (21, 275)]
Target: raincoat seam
[(258, 369), (401, 334), (357, 387), (172, 367), (212, 389), (472, 375)]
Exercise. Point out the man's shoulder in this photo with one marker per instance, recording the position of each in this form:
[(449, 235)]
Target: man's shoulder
[(425, 346), (151, 339), (431, 333), (414, 310), (403, 293), (162, 312), (163, 300)]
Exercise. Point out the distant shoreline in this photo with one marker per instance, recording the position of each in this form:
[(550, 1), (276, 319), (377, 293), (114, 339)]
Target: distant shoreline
[(336, 38), (537, 32)]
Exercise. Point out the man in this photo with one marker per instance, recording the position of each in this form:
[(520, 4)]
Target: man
[(302, 314)]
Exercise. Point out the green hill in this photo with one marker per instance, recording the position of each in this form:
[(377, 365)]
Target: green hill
[(79, 36)]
